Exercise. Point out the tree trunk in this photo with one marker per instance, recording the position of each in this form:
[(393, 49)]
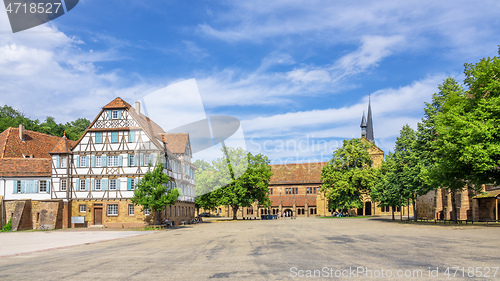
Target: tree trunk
[(400, 209), (235, 212), (392, 213), (454, 216), (408, 201), (414, 203)]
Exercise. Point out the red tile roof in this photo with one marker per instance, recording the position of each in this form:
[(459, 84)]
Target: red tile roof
[(62, 146), (25, 167), (176, 143), (117, 103), (37, 145), (297, 173)]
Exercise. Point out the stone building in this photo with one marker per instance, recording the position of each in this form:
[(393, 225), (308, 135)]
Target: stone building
[(296, 188), (90, 182), (475, 206), (26, 192)]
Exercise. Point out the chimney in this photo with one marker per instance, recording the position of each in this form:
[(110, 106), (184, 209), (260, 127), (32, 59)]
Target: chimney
[(21, 132), (138, 108)]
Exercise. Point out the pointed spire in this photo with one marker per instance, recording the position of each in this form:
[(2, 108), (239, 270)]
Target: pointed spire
[(369, 123), (363, 125)]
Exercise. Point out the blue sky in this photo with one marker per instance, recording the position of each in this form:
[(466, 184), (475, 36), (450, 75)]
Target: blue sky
[(296, 73)]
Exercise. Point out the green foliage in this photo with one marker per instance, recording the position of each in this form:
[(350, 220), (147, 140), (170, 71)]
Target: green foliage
[(151, 191), (205, 183), (10, 117), (387, 190), (76, 128), (8, 226), (237, 179), (348, 175)]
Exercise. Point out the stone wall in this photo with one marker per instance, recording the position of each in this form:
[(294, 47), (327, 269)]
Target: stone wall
[(47, 214), (20, 212), (34, 214), (181, 211)]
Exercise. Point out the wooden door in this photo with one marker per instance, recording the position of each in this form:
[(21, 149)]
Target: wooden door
[(98, 216)]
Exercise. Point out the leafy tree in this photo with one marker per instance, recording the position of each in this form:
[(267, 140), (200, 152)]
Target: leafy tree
[(49, 126), (348, 175), (205, 183), (410, 173), (468, 137), (9, 117), (387, 190), (151, 191), (239, 180), (436, 157), (76, 128), (478, 125)]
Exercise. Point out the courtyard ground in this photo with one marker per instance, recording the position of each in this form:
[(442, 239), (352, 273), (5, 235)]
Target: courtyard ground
[(285, 249)]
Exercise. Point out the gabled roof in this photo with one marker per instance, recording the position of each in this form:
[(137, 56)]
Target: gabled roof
[(176, 143), (25, 167), (117, 103), (35, 144), (153, 130), (373, 149), (62, 147), (297, 173)]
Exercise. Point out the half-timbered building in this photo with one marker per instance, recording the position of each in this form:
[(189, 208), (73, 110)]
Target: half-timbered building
[(96, 176)]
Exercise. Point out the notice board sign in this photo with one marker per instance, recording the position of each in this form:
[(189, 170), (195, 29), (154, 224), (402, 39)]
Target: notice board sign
[(77, 219)]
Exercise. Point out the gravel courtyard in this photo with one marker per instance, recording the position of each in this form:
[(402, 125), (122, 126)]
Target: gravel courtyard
[(307, 248)]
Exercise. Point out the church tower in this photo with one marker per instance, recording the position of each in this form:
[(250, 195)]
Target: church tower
[(367, 124)]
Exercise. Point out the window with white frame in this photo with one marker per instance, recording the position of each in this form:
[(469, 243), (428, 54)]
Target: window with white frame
[(114, 114), (64, 184), (98, 161), (131, 210), (64, 162), (43, 186), (83, 208), (146, 211), (113, 161), (18, 187), (146, 159), (97, 184), (112, 184), (82, 185), (83, 161), (112, 209), (132, 184)]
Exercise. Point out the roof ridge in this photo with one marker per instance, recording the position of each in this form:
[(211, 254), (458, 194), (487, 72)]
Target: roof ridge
[(6, 139), (30, 159), (26, 130)]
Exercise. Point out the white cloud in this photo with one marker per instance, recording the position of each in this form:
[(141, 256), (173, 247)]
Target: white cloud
[(44, 72), (372, 51), (456, 25), (392, 108)]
